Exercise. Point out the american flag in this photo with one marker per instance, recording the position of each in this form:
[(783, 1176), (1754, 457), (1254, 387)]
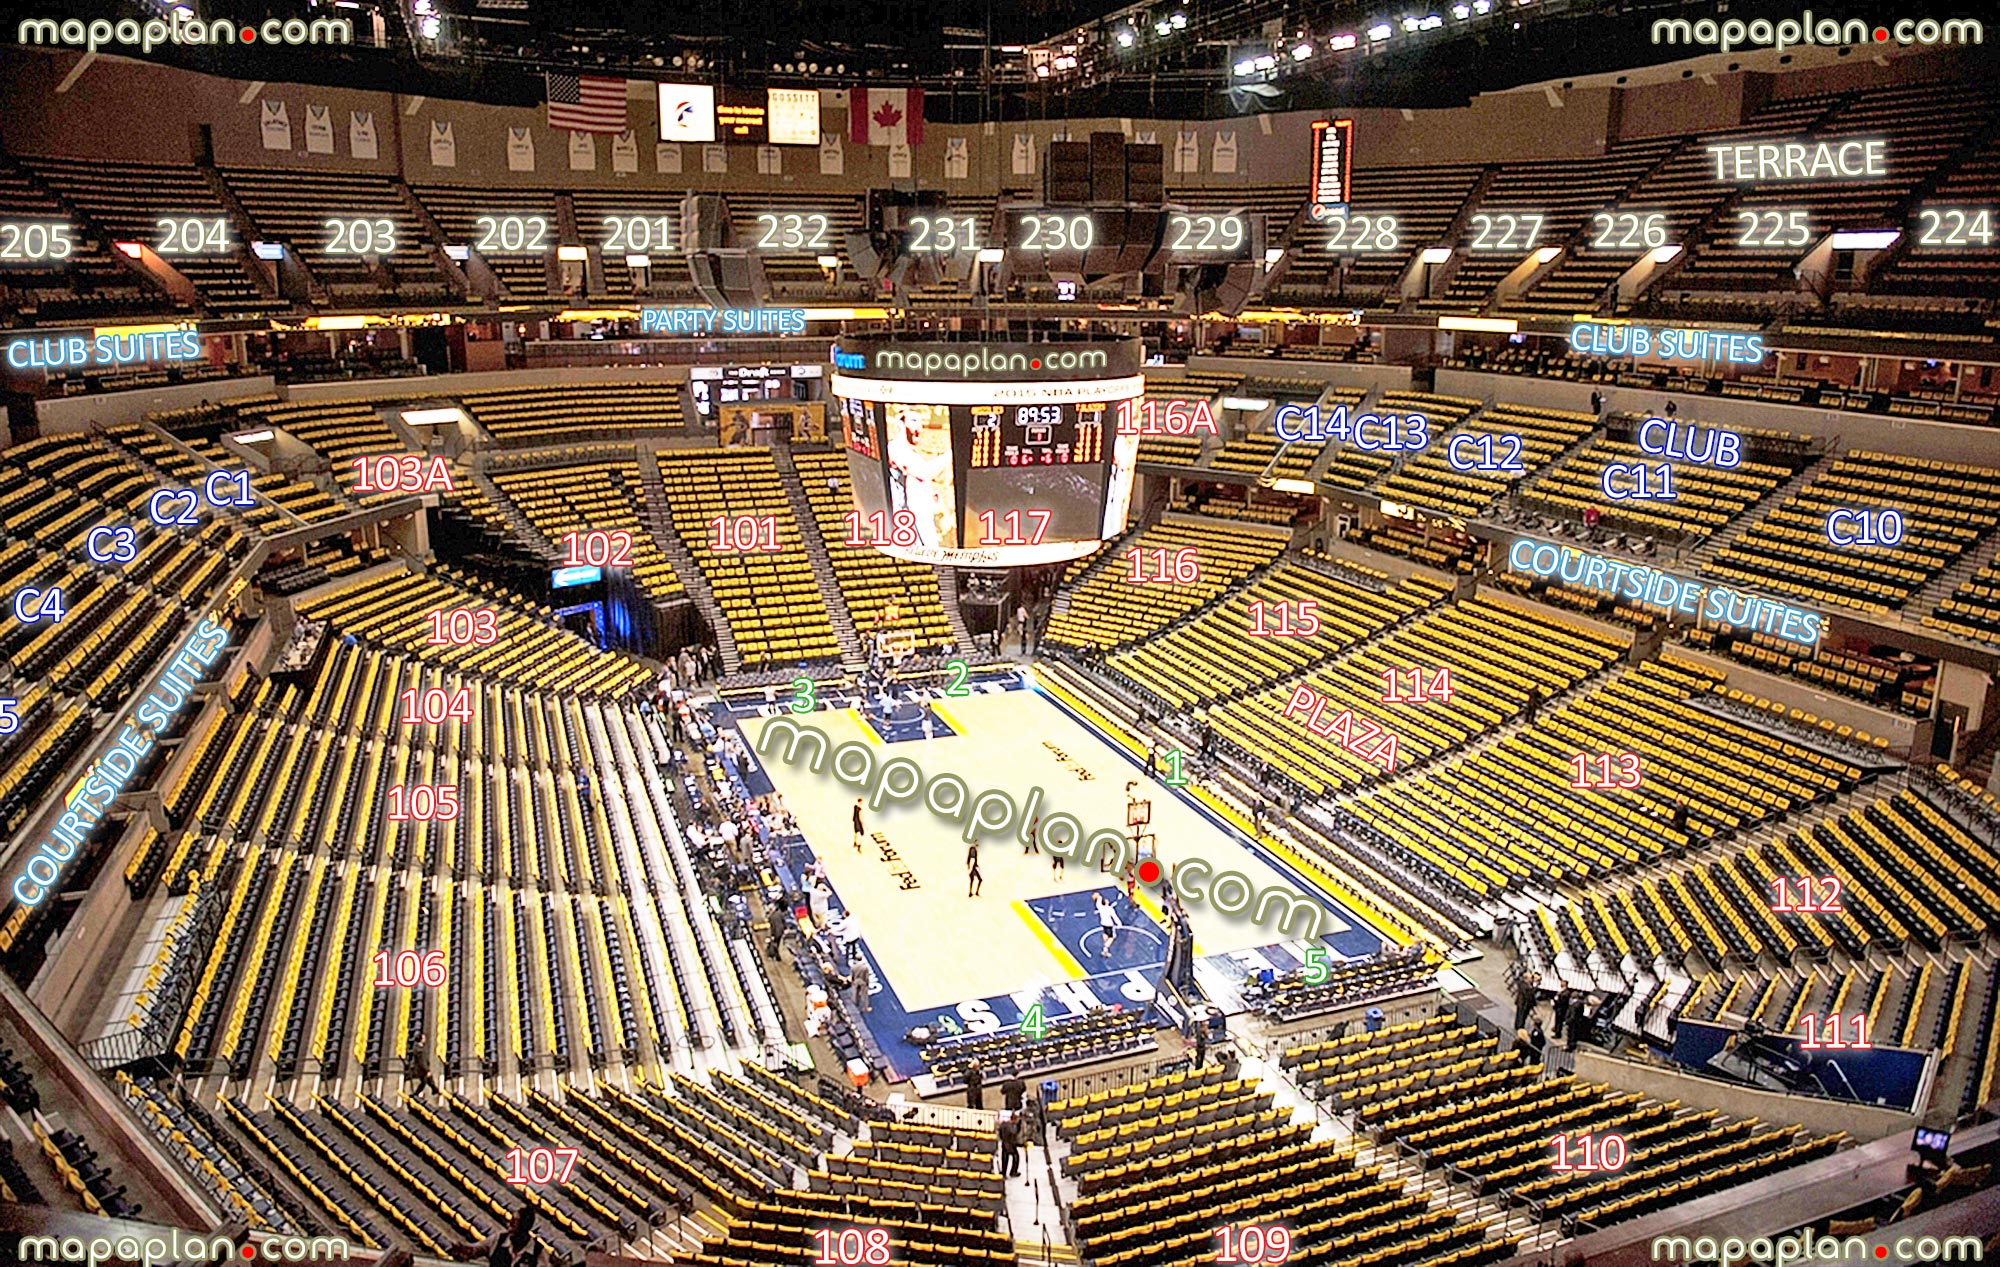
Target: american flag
[(586, 104)]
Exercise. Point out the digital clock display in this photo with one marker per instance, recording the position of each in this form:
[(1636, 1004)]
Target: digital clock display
[(1035, 435)]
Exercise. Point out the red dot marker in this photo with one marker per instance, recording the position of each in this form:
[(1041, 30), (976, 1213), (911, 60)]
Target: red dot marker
[(249, 37), (1881, 1251), (249, 1252), (1149, 872), (1882, 37)]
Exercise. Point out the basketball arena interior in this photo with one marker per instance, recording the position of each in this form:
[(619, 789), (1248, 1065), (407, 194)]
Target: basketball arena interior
[(1216, 631)]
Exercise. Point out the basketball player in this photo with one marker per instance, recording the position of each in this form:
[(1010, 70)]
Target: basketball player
[(858, 829), (1107, 920), (1034, 840), (973, 878)]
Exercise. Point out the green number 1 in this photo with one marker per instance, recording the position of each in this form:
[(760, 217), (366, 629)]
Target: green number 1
[(803, 702), (1176, 779)]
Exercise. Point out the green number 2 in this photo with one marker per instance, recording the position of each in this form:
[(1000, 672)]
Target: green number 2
[(1316, 970), (803, 702), (1173, 758), (1032, 1023), (957, 689)]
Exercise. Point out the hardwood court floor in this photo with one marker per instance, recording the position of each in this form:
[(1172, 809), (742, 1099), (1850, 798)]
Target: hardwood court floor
[(933, 943)]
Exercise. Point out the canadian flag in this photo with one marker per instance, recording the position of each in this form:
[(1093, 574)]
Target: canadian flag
[(886, 116)]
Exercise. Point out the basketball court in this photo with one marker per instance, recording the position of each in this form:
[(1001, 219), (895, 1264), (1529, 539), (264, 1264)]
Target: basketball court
[(1033, 933)]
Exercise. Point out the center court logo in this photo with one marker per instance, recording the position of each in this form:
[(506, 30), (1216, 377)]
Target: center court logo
[(1807, 30), (130, 33)]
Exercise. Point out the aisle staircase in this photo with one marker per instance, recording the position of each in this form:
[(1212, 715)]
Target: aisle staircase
[(1946, 583), (947, 583), (852, 656), (654, 515), (520, 527)]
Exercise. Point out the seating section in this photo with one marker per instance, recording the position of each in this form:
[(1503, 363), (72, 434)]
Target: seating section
[(1947, 508), (586, 497), (595, 212), (1910, 876), (1705, 497), (293, 207), (597, 411), (342, 430), (1973, 609), (1921, 123), (774, 608), (1429, 480), (94, 281), (193, 1139), (1099, 1034), (797, 272), (523, 273), (76, 1166), (1244, 503), (1421, 201), (119, 619), (1906, 684), (573, 925), (1253, 452), (1205, 386), (1488, 1123), (1563, 193), (1498, 655), (1161, 1164), (1476, 828), (1107, 610), (1442, 549), (870, 581), (397, 613), (1210, 657), (1347, 985)]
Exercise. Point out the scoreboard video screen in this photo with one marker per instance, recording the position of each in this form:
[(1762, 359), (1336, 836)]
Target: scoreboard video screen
[(985, 453)]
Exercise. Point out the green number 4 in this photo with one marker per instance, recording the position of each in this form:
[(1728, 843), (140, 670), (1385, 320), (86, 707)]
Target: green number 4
[(1032, 1023)]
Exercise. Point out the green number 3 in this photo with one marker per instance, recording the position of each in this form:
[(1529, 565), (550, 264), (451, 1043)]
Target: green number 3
[(803, 702)]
